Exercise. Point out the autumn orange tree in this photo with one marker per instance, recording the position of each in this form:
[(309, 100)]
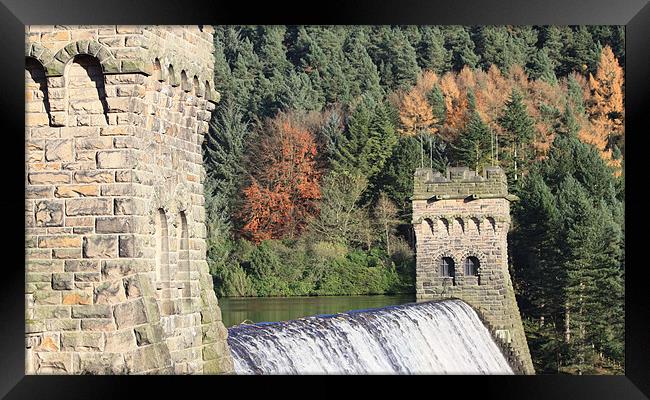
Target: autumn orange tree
[(285, 181), (605, 107), (415, 112)]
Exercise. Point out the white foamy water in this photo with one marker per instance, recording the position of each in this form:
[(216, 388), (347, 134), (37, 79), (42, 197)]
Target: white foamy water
[(444, 337)]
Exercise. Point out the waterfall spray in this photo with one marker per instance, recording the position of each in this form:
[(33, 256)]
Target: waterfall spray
[(444, 337)]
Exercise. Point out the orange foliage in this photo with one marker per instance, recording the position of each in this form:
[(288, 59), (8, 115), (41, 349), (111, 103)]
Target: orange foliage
[(285, 185), (455, 105), (606, 111), (606, 106), (415, 112)]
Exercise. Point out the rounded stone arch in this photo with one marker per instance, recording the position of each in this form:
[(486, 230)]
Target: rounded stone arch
[(458, 223), (441, 258), (490, 225), (172, 77), (185, 82), (479, 255), (428, 226), (442, 226), (84, 47), (473, 225), (39, 53), (208, 92), (157, 70), (197, 89)]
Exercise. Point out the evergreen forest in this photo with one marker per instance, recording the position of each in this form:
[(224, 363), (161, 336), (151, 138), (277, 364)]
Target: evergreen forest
[(312, 149)]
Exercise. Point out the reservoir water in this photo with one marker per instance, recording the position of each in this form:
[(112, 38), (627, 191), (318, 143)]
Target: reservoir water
[(236, 310)]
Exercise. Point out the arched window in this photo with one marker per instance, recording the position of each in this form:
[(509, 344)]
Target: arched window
[(196, 88), (37, 103), (428, 228), (157, 70), (471, 266), (162, 248), (171, 78), (492, 224), (86, 93), (208, 93), (447, 268), (442, 227), (185, 84), (183, 272)]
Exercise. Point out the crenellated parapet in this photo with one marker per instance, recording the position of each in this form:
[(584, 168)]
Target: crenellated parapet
[(460, 183), (177, 55)]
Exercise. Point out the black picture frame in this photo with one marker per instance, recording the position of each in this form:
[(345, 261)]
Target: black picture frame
[(15, 14)]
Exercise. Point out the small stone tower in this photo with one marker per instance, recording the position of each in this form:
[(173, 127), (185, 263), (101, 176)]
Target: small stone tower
[(116, 274), (461, 222)]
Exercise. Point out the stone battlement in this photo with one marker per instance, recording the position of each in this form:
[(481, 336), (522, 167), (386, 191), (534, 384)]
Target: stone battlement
[(460, 182), (179, 55)]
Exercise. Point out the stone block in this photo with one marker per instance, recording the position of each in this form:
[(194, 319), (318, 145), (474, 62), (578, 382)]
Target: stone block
[(130, 314), (93, 176), (113, 224), (118, 268), (100, 364), (62, 281), (100, 246), (98, 324), (77, 297), (59, 150), (51, 312), (66, 253), (49, 213), (53, 363), (115, 159), (48, 178), (88, 206), (92, 311), (110, 293), (120, 341), (81, 266)]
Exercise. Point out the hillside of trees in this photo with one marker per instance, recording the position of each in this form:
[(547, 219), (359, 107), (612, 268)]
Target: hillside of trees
[(312, 149)]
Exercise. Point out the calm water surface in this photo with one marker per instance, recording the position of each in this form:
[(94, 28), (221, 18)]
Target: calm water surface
[(236, 310)]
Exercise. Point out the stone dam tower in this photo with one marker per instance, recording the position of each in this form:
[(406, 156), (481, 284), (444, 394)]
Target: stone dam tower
[(461, 222), (116, 274)]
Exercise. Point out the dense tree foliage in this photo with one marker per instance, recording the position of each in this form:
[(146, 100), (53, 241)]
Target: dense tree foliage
[(311, 154)]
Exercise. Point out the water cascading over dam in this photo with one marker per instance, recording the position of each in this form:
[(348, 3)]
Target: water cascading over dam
[(444, 337)]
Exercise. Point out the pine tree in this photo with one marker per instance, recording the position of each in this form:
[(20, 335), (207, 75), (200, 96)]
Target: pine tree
[(437, 102), (362, 72), (461, 46), (396, 179), (432, 54), (368, 141), (541, 67), (395, 58), (223, 157), (473, 147), (519, 129), (552, 41)]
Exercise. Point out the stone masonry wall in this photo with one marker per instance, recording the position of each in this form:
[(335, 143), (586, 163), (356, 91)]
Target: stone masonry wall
[(116, 276), (460, 215)]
